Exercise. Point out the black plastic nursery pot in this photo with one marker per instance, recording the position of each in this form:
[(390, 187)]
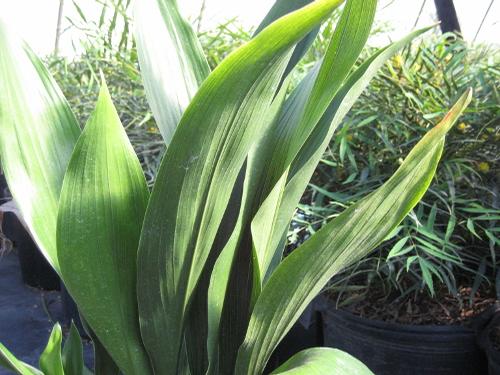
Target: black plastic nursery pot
[(399, 349), (486, 324), (35, 270), (493, 353), (493, 361), (4, 189)]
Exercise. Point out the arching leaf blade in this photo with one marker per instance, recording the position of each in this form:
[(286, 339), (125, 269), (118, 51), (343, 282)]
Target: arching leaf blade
[(38, 132), (279, 9), (322, 361), (348, 237), (11, 363), (172, 62), (198, 173), (303, 166), (301, 115)]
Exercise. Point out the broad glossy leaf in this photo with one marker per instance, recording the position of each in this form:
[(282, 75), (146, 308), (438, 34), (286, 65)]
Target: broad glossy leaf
[(222, 269), (320, 361), (51, 359), (300, 116), (343, 241), (197, 176), (72, 355), (38, 132), (303, 166), (11, 363), (103, 363), (103, 200), (266, 159), (172, 62)]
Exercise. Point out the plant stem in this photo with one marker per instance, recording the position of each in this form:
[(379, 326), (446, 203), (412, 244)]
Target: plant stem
[(58, 28)]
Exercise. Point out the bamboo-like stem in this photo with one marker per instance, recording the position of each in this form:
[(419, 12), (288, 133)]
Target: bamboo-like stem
[(58, 28)]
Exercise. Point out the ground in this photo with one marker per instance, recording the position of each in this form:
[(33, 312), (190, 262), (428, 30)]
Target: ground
[(27, 315)]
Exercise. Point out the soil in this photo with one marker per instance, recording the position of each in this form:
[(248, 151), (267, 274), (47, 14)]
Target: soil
[(418, 309)]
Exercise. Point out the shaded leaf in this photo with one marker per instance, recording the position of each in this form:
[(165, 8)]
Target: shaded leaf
[(72, 355), (103, 363)]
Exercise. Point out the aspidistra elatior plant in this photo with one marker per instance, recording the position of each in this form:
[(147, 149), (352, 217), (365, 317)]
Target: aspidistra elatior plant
[(190, 277)]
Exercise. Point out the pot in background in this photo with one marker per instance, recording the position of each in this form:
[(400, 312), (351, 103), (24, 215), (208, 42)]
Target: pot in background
[(399, 349), (36, 271), (486, 325)]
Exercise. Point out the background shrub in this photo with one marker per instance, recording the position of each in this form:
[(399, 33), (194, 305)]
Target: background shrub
[(450, 238)]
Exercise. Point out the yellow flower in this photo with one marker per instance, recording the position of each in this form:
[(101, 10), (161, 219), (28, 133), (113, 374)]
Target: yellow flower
[(462, 127), (398, 61), (438, 77), (349, 138), (484, 167)]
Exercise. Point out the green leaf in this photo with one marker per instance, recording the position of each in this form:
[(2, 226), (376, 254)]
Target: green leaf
[(279, 9), (236, 308), (471, 227), (72, 355), (343, 241), (308, 157), (223, 275), (437, 252), (396, 249), (38, 132), (172, 62), (51, 359), (103, 363), (103, 200), (426, 274), (432, 218), (409, 261), (309, 101), (270, 160), (450, 227), (10, 362), (322, 361), (197, 176)]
